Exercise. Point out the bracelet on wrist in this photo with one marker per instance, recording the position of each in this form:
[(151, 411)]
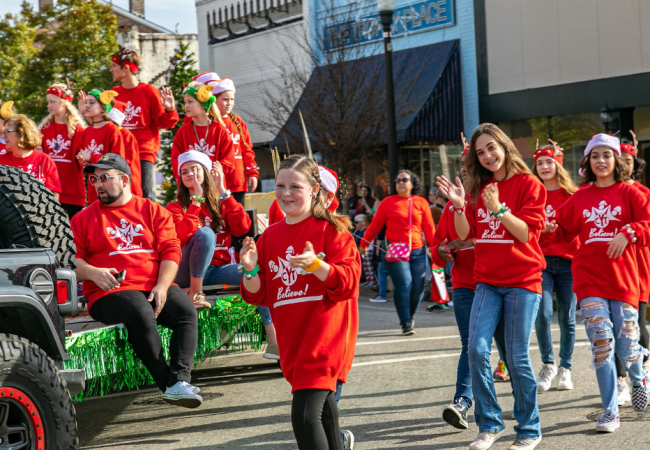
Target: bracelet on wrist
[(313, 266), (629, 232), (499, 214), (248, 274), (225, 195), (458, 211), (196, 198)]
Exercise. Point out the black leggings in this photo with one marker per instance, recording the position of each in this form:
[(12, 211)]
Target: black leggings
[(133, 310), (315, 420), (621, 371), (238, 240)]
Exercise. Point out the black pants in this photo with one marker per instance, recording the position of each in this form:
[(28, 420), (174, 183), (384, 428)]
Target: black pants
[(621, 371), (71, 210), (315, 420), (148, 180), (237, 240), (133, 310)]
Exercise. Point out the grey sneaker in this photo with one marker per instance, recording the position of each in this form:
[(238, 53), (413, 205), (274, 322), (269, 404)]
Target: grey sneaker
[(545, 377), (525, 443), (456, 415), (272, 352), (348, 439), (608, 422), (379, 299), (407, 329), (484, 440), (182, 394)]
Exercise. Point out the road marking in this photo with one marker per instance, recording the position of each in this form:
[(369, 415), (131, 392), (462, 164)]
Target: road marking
[(374, 307), (444, 355), (403, 341)]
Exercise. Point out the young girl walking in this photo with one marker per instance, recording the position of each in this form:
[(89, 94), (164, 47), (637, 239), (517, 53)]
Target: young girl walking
[(504, 214), (60, 129), (611, 218), (557, 275), (307, 269)]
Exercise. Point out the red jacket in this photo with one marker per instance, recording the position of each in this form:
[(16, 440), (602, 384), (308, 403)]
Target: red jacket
[(132, 156), (3, 147), (462, 272), (643, 259), (58, 144), (275, 213), (145, 115), (393, 212), (596, 215), (316, 322), (38, 164), (218, 145), (236, 221), (548, 243), (244, 156), (502, 259), (137, 237)]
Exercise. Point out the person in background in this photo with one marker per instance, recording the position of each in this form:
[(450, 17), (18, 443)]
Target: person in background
[(6, 111), (366, 201), (353, 199), (378, 195), (366, 260), (359, 228), (131, 147)]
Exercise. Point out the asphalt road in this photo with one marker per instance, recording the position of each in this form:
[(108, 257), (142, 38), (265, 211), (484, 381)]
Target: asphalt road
[(393, 399)]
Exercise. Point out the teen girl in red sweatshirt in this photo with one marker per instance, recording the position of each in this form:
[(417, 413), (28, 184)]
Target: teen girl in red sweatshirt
[(60, 129), (504, 214), (612, 220), (557, 275), (315, 314)]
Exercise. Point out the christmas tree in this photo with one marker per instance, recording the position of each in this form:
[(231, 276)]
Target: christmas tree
[(180, 72)]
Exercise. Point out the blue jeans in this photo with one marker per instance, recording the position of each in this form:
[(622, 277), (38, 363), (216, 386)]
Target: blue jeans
[(518, 307), (612, 324), (557, 274), (408, 278), (463, 299), (197, 255), (382, 279)]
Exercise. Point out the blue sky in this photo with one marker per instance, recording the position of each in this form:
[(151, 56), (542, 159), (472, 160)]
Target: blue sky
[(167, 13)]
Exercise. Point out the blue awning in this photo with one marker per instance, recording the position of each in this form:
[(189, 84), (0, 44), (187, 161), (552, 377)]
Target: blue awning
[(428, 93)]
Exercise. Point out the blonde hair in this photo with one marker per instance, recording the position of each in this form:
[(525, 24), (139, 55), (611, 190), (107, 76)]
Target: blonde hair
[(72, 116), (308, 168), (28, 135), (213, 112), (477, 175), (561, 174)]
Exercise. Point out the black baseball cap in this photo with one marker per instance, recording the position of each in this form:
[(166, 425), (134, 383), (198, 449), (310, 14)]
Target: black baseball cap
[(109, 161)]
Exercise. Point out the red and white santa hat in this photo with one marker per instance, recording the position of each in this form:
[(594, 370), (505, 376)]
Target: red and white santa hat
[(220, 86), (195, 156), (329, 180), (204, 77), (604, 140), (116, 114)]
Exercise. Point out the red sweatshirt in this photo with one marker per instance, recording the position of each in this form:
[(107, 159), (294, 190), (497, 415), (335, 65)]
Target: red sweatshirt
[(132, 156), (60, 147), (462, 272), (97, 142), (145, 115), (218, 145), (548, 243), (3, 147), (244, 156), (137, 237), (38, 164), (393, 212), (596, 215), (236, 221), (316, 322), (643, 259), (502, 259)]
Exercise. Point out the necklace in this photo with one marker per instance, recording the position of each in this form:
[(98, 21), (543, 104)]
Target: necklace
[(205, 139), (98, 121)]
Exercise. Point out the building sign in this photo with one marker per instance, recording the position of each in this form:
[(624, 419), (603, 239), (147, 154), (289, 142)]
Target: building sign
[(420, 16)]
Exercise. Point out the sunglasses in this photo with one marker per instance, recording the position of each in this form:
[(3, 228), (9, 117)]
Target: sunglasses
[(403, 180), (94, 180), (359, 221)]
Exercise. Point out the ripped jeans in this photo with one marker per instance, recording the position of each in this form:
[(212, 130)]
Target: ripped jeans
[(612, 324)]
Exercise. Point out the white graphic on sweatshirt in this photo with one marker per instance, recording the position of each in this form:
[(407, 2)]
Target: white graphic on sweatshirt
[(550, 212), (131, 112), (127, 233), (95, 149), (491, 235), (601, 217), (36, 171), (203, 147), (289, 276), (220, 242), (236, 138), (57, 146)]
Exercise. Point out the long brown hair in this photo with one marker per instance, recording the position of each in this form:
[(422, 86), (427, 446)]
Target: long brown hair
[(308, 168), (563, 178), (29, 137), (620, 172), (210, 194), (478, 175)]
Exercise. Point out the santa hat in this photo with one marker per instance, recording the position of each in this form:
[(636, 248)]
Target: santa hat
[(329, 180), (629, 149), (204, 77), (220, 86), (359, 218), (550, 152), (117, 113), (195, 156), (604, 140)]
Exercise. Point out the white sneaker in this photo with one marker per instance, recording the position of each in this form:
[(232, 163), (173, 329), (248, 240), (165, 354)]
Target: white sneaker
[(378, 299), (646, 371), (545, 377), (564, 382), (484, 440), (608, 422), (525, 443), (182, 394), (272, 352), (623, 392)]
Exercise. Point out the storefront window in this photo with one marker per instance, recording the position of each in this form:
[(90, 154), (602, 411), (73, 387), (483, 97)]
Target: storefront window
[(429, 161)]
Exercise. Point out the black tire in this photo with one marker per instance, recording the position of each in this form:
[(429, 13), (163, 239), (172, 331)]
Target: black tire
[(31, 216), (28, 373)]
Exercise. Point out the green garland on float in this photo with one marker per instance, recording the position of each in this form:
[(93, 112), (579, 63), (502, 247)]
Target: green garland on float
[(111, 364)]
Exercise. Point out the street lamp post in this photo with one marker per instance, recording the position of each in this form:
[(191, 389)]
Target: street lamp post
[(386, 15), (606, 117)]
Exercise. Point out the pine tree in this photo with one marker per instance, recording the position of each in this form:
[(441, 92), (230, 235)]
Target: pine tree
[(180, 72)]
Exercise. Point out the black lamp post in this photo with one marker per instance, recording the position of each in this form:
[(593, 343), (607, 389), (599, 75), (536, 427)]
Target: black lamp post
[(606, 118), (386, 14)]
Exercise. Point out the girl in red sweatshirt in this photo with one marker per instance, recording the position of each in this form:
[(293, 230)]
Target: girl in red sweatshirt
[(612, 220), (131, 147), (504, 214), (557, 275), (306, 270), (60, 129)]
